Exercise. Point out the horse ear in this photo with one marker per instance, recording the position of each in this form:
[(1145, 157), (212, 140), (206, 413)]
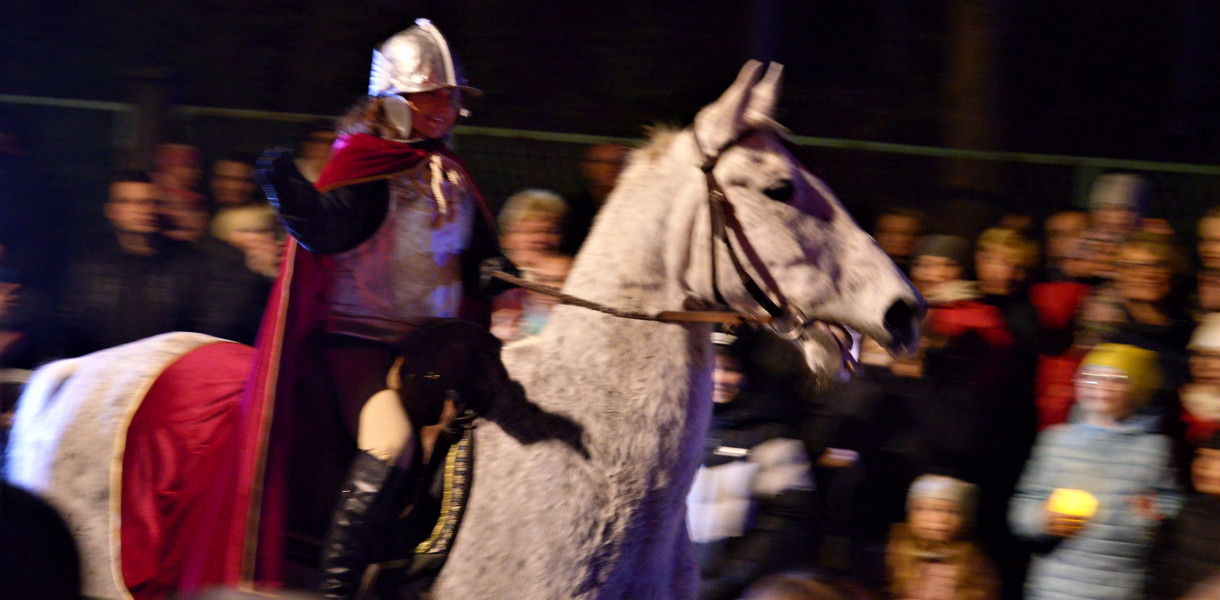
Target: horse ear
[(723, 120), (764, 95)]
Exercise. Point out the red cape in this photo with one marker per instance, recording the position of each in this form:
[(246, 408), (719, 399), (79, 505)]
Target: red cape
[(277, 411), (360, 157)]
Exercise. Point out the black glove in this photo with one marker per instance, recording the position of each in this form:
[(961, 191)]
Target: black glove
[(274, 169), (490, 287)]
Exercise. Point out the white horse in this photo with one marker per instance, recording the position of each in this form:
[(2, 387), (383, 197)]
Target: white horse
[(601, 514), (583, 468)]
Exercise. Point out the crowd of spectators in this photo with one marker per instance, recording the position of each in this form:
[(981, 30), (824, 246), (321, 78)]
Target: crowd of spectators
[(1003, 373), (1078, 358)]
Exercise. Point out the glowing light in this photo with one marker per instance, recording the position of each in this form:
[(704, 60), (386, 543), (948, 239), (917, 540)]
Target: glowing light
[(1074, 503)]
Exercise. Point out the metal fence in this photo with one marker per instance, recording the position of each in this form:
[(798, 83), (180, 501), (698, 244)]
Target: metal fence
[(77, 145)]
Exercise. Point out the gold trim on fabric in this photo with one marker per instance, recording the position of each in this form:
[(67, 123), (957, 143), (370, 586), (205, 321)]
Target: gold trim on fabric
[(254, 509), (116, 473), (453, 498)]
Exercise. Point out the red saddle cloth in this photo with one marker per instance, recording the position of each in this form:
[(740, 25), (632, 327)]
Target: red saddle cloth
[(180, 451)]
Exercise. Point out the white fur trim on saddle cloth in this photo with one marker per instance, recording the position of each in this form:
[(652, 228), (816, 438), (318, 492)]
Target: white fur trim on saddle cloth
[(68, 438)]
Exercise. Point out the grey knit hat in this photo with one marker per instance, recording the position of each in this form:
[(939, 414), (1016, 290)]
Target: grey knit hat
[(942, 487), (951, 247), (1122, 189)]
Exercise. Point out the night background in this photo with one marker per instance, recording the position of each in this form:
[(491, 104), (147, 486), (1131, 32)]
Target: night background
[(1116, 79)]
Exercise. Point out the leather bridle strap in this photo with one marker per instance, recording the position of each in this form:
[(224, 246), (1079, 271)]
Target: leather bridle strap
[(665, 316), (785, 320)]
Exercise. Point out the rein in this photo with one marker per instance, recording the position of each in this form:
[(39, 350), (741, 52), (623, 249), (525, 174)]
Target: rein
[(665, 316), (784, 319)]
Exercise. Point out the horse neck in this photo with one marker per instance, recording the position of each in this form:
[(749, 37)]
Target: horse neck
[(639, 251)]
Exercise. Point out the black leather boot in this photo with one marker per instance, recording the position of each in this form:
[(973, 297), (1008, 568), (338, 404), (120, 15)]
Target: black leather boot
[(373, 496)]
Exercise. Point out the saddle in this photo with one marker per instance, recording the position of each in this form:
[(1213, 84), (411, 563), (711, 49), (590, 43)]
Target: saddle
[(417, 543), (408, 517)]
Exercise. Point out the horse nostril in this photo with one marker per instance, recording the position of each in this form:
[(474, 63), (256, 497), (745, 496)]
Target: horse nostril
[(901, 321)]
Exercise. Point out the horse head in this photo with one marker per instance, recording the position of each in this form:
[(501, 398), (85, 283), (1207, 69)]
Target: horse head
[(785, 245)]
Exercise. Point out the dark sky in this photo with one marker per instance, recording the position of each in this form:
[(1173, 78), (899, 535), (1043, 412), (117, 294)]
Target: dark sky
[(1120, 78)]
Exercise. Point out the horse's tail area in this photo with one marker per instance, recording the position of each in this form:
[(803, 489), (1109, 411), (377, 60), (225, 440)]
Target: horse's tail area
[(37, 425), (68, 443)]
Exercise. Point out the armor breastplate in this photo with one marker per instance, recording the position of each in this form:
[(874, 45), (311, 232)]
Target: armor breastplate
[(409, 270)]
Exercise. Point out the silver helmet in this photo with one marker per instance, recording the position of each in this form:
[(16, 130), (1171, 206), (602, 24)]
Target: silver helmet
[(416, 59)]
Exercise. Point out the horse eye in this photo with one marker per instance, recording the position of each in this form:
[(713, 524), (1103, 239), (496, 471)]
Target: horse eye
[(781, 191)]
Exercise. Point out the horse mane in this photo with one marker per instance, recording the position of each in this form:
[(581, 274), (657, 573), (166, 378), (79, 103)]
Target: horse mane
[(660, 138)]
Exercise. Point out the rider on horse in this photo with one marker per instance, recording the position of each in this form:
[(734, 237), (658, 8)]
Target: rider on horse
[(393, 233)]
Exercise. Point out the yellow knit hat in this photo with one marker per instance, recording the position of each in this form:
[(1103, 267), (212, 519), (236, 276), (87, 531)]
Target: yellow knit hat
[(1140, 365)]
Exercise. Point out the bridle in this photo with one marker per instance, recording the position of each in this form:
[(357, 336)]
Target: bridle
[(785, 319)]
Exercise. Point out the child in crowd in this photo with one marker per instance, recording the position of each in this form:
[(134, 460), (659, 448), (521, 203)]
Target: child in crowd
[(1111, 458), (1062, 230), (1201, 395), (930, 556), (1208, 245), (1117, 202), (751, 507), (1189, 549), (531, 225), (1207, 294), (521, 313)]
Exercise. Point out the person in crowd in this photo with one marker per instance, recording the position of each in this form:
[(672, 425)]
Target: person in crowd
[(521, 313), (1201, 394), (138, 284), (1206, 299), (178, 171), (531, 225), (938, 268), (1094, 491), (1060, 231), (1003, 260), (1187, 552), (599, 168), (1116, 203), (236, 282), (255, 231), (243, 251), (232, 184), (967, 358), (1208, 245), (897, 230), (1148, 291), (931, 555), (751, 507), (1059, 302), (1020, 222), (390, 237), (315, 149)]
